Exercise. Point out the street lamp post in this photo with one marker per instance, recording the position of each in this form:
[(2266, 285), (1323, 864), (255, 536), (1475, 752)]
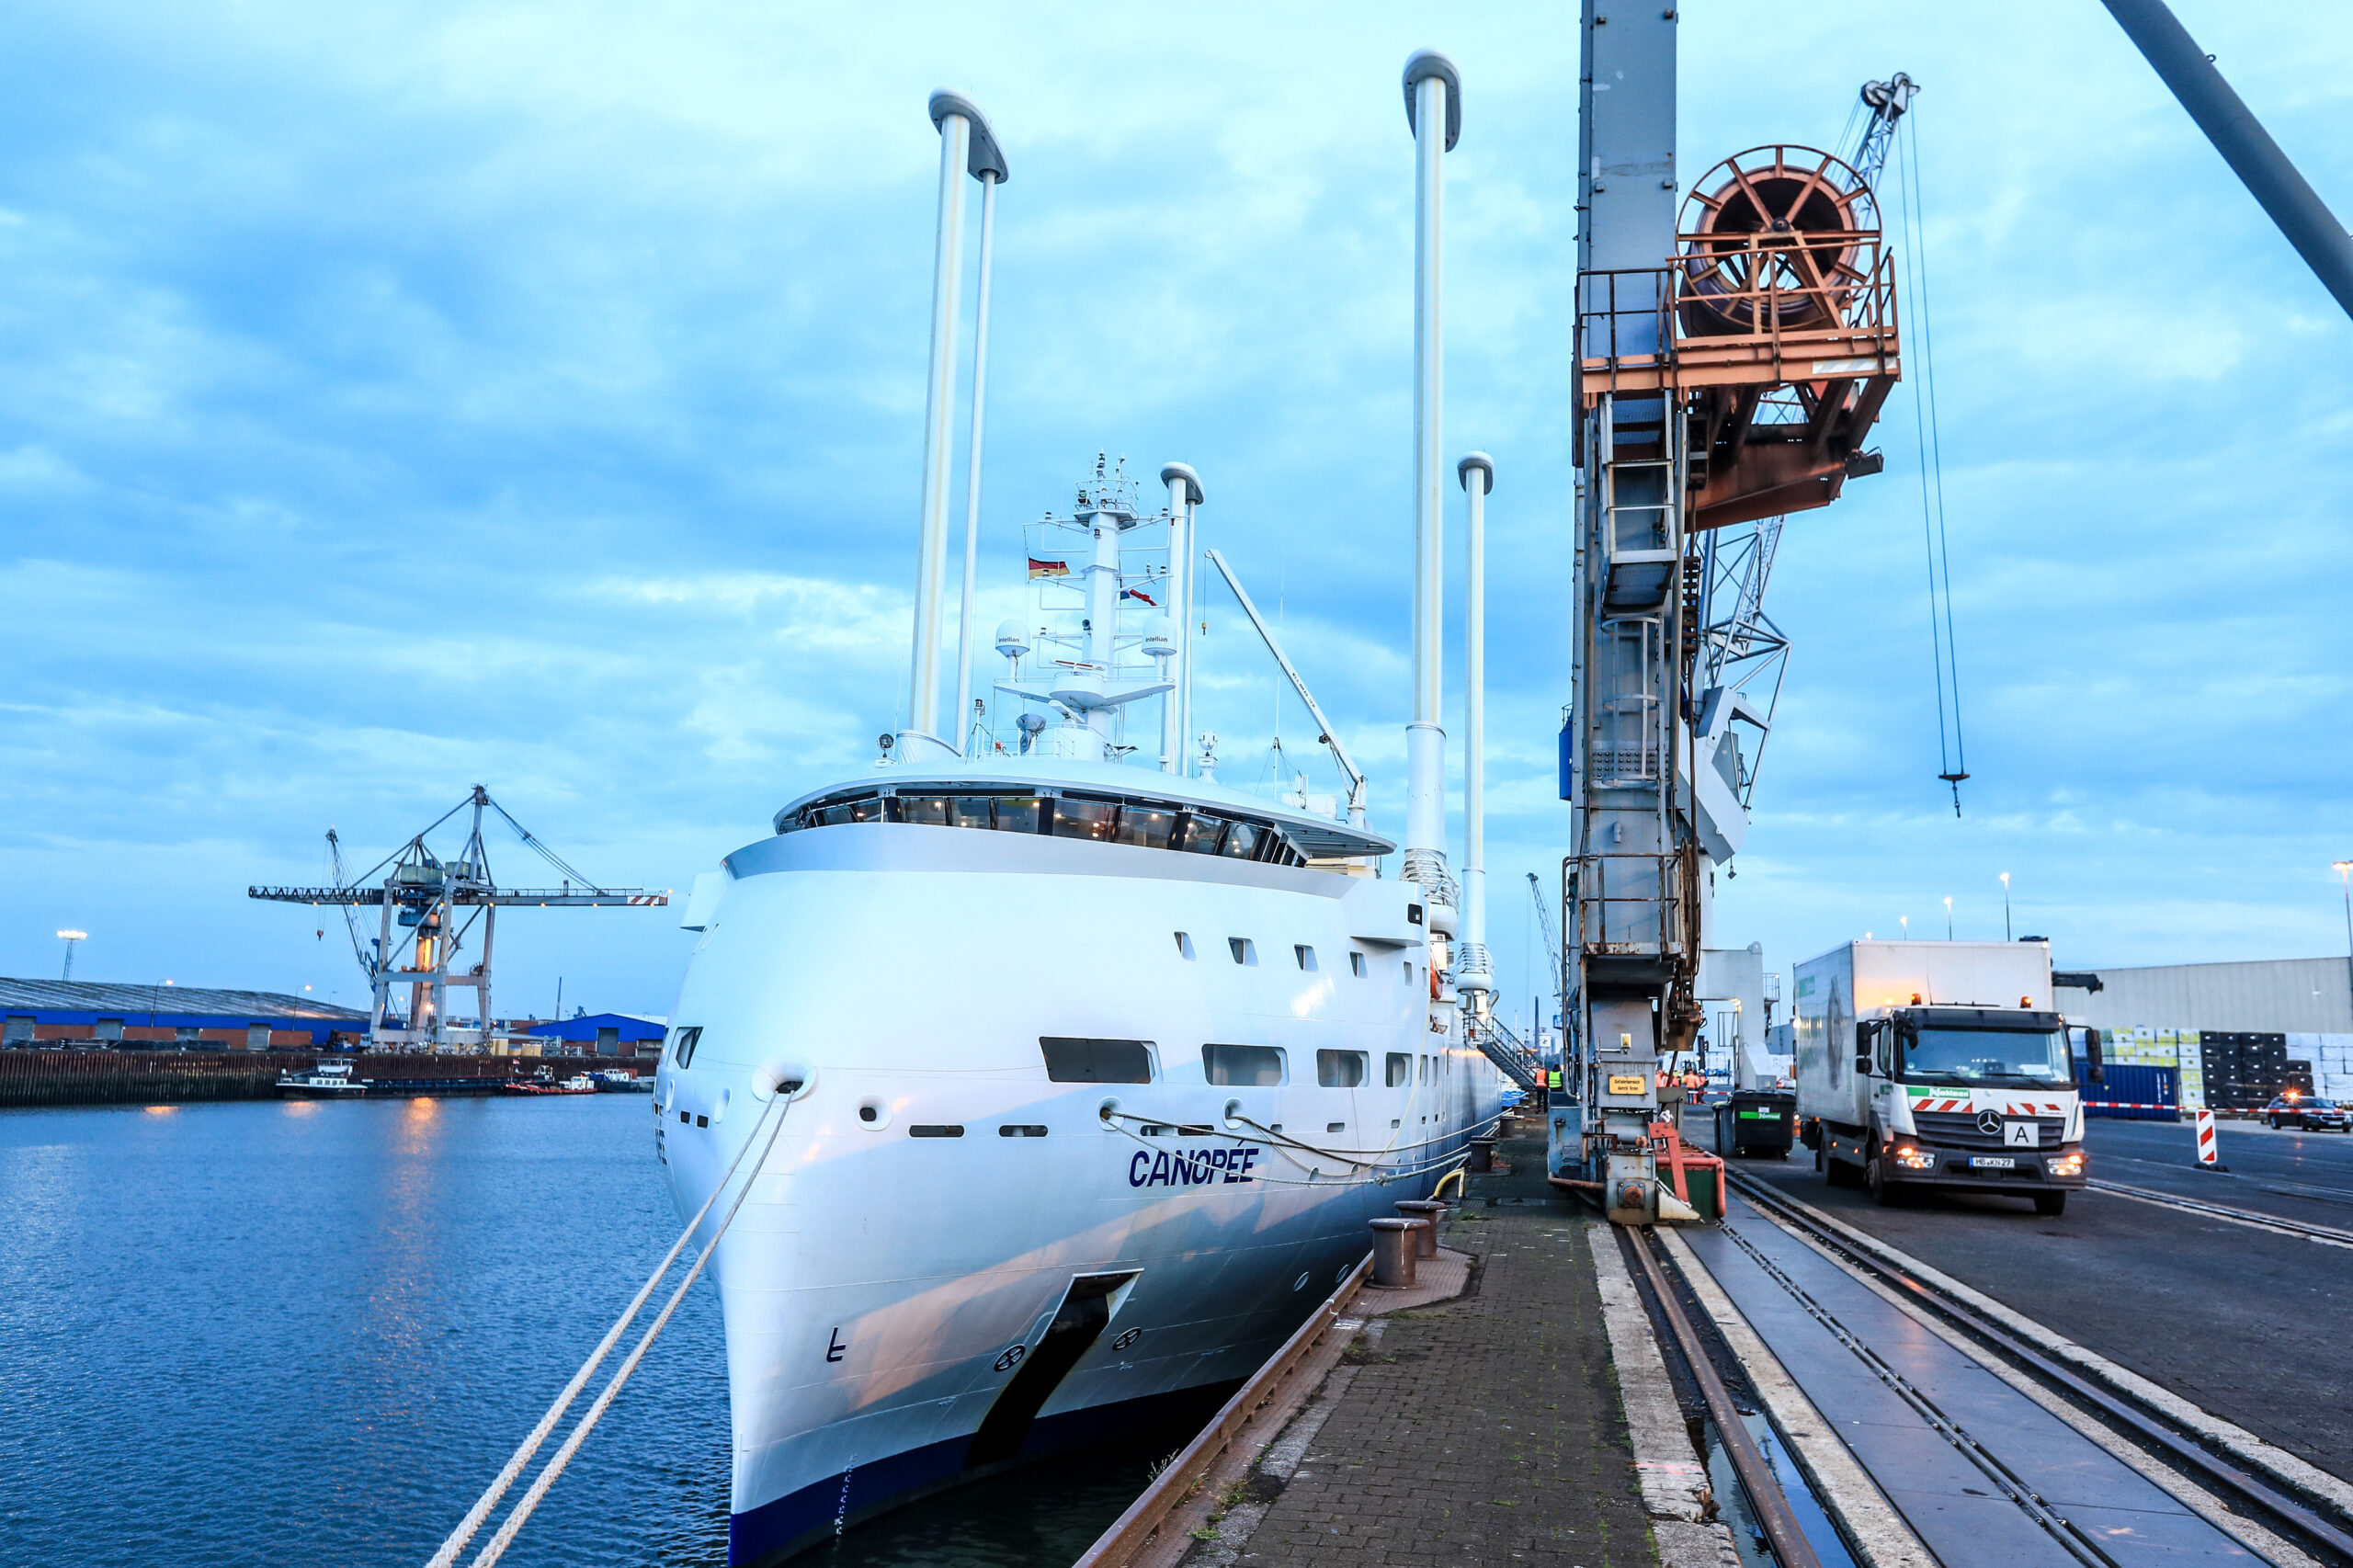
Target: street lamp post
[(2006, 908), (2344, 870), (70, 938), (1947, 917)]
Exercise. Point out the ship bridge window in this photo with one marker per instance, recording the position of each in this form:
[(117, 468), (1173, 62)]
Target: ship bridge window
[(1306, 956), (1400, 1069), (1075, 1060), (1151, 825), (1243, 949), (1085, 819), (1146, 826), (683, 1043), (1340, 1069), (1356, 965), (1199, 834), (1246, 1066), (1184, 945)]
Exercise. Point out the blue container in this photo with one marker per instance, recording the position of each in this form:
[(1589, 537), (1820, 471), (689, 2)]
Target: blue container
[(1568, 751), (2133, 1085)]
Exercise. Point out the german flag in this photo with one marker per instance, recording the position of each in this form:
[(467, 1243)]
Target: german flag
[(1048, 568)]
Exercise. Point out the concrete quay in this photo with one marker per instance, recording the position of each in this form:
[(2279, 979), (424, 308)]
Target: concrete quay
[(1526, 1420)]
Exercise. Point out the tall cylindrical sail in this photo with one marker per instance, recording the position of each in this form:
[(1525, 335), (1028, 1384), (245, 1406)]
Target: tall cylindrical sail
[(1433, 111), (963, 130), (989, 180), (1474, 973), (1184, 495)]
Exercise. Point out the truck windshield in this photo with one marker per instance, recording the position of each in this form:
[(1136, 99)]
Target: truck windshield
[(1985, 1056)]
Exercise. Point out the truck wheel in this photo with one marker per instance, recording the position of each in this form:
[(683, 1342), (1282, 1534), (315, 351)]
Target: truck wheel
[(2050, 1205), (1884, 1192)]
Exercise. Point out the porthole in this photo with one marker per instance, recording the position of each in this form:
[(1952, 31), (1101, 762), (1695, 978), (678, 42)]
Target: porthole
[(1300, 1283), (874, 1113)]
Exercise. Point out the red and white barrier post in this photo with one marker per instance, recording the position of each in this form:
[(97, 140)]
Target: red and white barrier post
[(2209, 1149)]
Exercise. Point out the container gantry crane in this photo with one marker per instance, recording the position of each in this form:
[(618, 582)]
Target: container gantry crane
[(434, 905)]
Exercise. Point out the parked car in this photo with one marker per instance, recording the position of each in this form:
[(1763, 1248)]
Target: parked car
[(2308, 1111)]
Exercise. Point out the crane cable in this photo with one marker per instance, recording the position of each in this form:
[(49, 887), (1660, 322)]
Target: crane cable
[(1952, 752), (491, 1552)]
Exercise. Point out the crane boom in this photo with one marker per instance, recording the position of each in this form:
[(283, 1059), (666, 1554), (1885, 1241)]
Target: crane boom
[(1552, 938), (1329, 736), (1886, 101), (2274, 182)]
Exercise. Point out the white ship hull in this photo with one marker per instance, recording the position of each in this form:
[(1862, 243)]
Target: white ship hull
[(908, 1308)]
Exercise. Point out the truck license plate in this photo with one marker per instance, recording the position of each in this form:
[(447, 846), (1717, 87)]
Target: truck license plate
[(1992, 1163)]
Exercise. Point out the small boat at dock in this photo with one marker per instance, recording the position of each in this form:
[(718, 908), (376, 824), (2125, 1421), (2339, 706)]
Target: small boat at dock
[(578, 1083), (326, 1081)]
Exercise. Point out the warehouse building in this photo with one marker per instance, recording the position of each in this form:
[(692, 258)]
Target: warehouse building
[(2263, 996), (605, 1034), (64, 1013), (2229, 1036)]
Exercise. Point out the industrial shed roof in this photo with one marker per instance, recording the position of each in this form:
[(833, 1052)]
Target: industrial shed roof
[(181, 1001)]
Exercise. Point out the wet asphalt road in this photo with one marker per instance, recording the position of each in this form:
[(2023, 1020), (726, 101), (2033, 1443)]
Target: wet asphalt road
[(2254, 1326)]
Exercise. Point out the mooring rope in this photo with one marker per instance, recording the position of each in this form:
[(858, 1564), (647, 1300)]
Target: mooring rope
[(539, 1433)]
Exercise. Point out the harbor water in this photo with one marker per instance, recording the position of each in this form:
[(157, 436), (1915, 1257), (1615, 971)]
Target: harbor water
[(311, 1331)]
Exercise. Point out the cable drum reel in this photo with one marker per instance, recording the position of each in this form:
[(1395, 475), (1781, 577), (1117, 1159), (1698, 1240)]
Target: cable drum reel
[(1789, 225)]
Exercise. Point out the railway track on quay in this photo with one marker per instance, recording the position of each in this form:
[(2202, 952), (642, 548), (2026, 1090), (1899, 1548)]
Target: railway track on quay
[(2252, 1497)]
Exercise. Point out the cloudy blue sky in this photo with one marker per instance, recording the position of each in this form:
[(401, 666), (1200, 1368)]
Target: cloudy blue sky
[(396, 397)]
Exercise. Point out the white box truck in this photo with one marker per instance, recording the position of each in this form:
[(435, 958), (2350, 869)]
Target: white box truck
[(1939, 1064)]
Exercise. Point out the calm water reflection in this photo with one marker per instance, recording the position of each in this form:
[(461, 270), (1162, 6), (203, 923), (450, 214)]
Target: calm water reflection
[(310, 1332)]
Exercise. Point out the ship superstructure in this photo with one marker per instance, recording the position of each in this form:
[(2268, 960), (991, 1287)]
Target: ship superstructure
[(1085, 1071)]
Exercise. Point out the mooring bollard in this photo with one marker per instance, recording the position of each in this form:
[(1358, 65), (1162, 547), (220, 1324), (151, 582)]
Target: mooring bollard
[(1429, 1212), (1393, 1253), (1483, 1156)]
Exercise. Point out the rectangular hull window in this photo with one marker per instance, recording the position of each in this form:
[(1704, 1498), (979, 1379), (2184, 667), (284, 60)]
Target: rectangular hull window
[(1340, 1069), (1073, 1061), (1400, 1069), (1306, 956), (1246, 1066)]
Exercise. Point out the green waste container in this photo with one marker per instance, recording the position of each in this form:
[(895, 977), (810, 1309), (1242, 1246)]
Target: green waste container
[(1757, 1121)]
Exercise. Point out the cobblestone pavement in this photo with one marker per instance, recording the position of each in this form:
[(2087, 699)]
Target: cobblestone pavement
[(1488, 1431)]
